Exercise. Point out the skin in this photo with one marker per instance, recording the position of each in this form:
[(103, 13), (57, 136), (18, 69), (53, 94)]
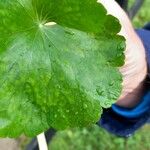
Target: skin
[(134, 70)]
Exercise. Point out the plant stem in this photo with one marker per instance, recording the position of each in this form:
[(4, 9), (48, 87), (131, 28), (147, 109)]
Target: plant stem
[(42, 142)]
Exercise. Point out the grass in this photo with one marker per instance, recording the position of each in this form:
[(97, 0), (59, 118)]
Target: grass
[(96, 138), (143, 15)]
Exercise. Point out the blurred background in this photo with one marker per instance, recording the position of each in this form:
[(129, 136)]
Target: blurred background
[(94, 137)]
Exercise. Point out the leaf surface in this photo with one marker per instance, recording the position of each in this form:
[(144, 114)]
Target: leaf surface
[(58, 75)]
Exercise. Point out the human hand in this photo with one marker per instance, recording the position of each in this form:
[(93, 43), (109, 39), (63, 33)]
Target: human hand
[(135, 68)]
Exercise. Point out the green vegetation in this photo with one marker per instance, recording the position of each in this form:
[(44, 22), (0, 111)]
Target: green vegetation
[(56, 58), (96, 138), (143, 15)]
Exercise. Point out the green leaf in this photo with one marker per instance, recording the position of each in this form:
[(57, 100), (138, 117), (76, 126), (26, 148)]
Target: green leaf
[(58, 75)]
